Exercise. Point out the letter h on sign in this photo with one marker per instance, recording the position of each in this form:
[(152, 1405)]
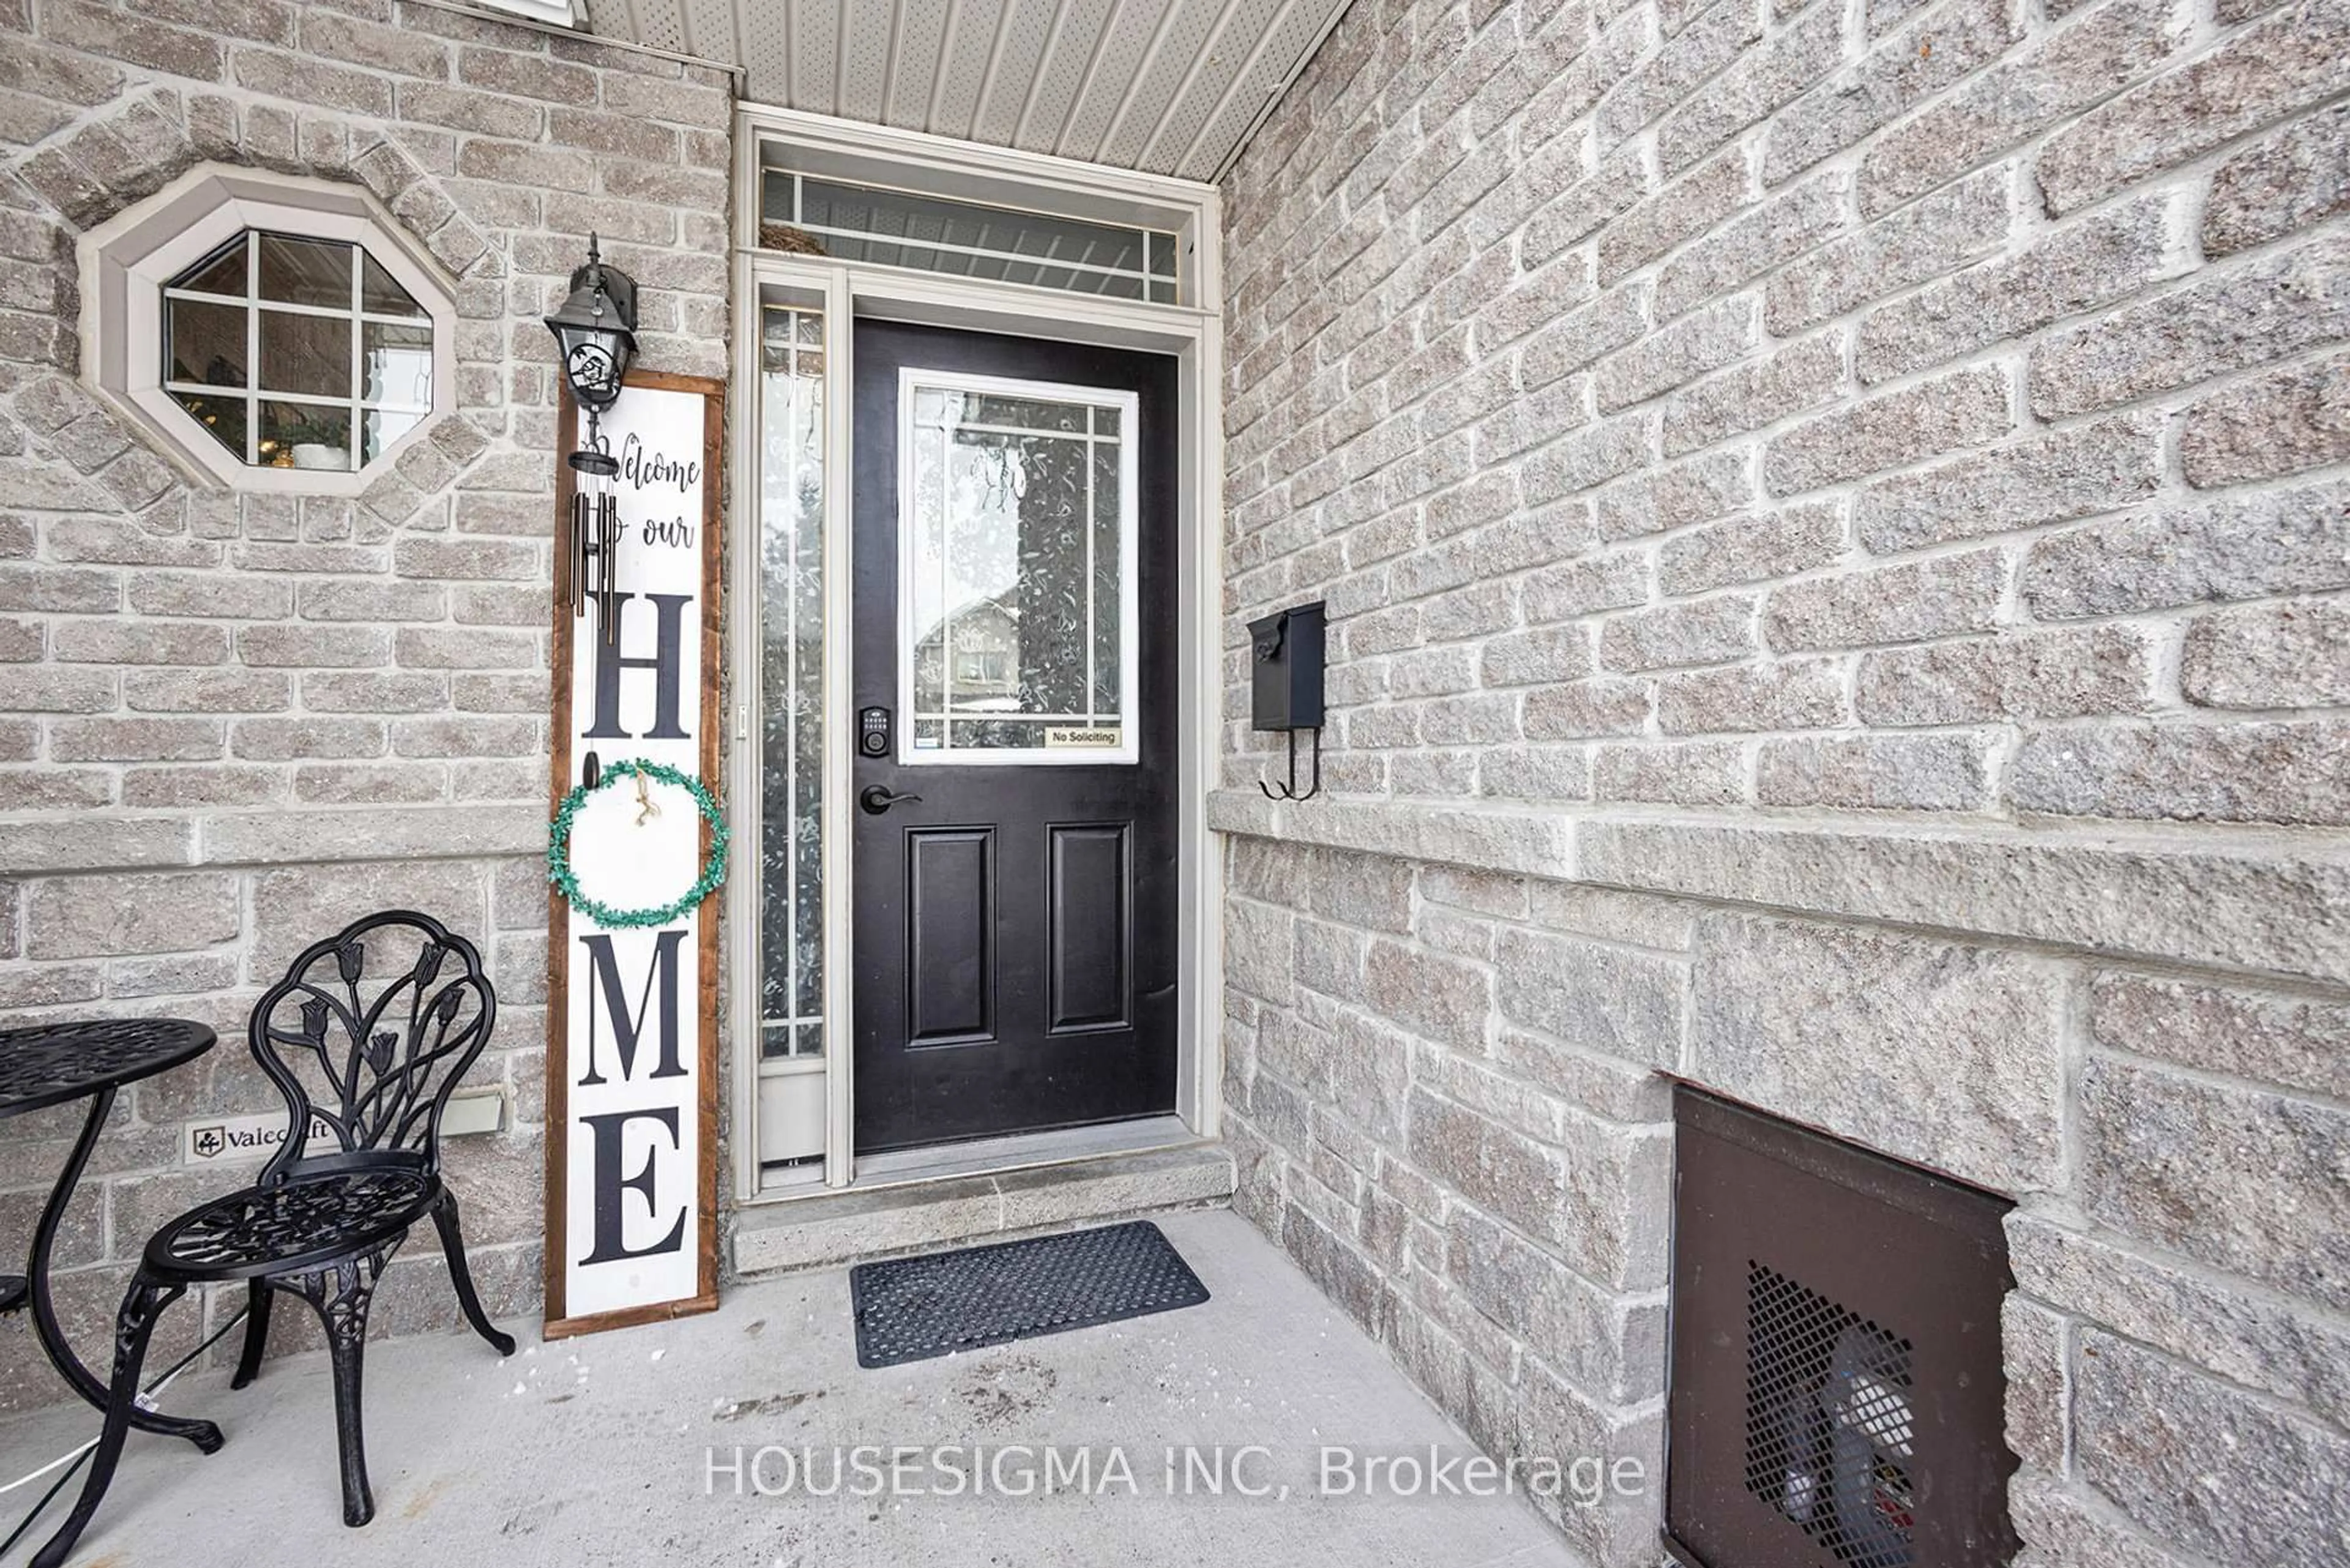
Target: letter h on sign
[(667, 665)]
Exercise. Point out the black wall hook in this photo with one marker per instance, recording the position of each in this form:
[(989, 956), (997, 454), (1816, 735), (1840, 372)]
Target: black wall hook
[(1289, 790)]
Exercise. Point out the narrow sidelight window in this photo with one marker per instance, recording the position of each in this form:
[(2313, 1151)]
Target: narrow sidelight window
[(791, 684)]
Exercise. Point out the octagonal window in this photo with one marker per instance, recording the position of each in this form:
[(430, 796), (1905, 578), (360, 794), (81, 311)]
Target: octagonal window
[(274, 333), (294, 352)]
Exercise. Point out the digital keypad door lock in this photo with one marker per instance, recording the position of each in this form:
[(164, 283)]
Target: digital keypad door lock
[(873, 731)]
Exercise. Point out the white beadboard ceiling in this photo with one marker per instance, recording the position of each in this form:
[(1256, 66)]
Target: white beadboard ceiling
[(1171, 87)]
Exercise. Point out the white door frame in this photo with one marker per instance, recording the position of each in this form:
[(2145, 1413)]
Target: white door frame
[(846, 291)]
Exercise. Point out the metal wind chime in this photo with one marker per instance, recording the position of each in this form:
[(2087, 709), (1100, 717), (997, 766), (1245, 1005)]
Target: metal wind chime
[(595, 336)]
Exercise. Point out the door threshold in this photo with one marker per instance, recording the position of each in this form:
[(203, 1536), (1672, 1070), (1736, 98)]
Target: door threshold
[(994, 1156), (828, 1227), (987, 1156)]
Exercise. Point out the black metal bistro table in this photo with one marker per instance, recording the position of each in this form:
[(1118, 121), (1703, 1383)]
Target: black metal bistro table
[(53, 1064)]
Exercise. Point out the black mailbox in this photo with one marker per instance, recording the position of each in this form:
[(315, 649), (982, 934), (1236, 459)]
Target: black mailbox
[(1286, 669)]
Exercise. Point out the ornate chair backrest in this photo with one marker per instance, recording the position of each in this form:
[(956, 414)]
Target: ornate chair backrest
[(366, 1037)]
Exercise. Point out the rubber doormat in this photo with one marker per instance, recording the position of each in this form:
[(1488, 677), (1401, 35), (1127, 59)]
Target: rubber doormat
[(916, 1308)]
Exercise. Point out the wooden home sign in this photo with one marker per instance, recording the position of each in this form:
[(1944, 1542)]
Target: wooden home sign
[(632, 1016)]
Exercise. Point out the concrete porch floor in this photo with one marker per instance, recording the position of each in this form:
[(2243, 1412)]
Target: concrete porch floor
[(596, 1450)]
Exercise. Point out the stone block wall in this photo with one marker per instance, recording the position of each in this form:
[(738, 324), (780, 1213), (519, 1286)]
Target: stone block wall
[(1835, 518), (1450, 1101), (232, 723)]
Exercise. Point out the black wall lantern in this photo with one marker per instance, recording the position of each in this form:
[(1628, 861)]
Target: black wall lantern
[(595, 336)]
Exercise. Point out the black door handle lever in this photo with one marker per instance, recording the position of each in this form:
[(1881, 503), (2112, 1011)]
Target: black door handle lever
[(875, 799)]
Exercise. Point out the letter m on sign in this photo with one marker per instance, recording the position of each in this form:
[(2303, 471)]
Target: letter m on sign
[(655, 1002)]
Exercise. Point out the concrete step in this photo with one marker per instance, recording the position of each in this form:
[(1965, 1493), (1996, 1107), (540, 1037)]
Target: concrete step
[(826, 1229)]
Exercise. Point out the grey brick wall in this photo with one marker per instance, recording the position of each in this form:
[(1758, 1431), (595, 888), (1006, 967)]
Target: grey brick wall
[(1665, 339), (1835, 519), (232, 723)]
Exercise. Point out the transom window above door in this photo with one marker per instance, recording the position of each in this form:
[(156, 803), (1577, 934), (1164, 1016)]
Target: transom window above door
[(1018, 592), (293, 352), (966, 238)]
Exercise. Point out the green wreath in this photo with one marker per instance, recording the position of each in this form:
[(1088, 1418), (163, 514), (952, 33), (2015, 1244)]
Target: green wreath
[(558, 847)]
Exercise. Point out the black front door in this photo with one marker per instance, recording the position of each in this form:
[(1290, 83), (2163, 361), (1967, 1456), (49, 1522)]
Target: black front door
[(1014, 660)]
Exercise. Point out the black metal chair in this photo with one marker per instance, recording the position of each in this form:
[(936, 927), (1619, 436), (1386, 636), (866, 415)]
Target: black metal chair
[(370, 1045)]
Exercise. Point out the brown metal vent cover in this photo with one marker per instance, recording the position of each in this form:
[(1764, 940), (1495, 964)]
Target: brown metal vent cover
[(1836, 1391)]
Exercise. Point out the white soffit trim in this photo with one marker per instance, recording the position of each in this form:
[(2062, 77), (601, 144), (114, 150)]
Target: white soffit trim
[(1166, 86)]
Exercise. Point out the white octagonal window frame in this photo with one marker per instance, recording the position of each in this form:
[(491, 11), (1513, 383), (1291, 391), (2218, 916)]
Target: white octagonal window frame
[(129, 261)]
